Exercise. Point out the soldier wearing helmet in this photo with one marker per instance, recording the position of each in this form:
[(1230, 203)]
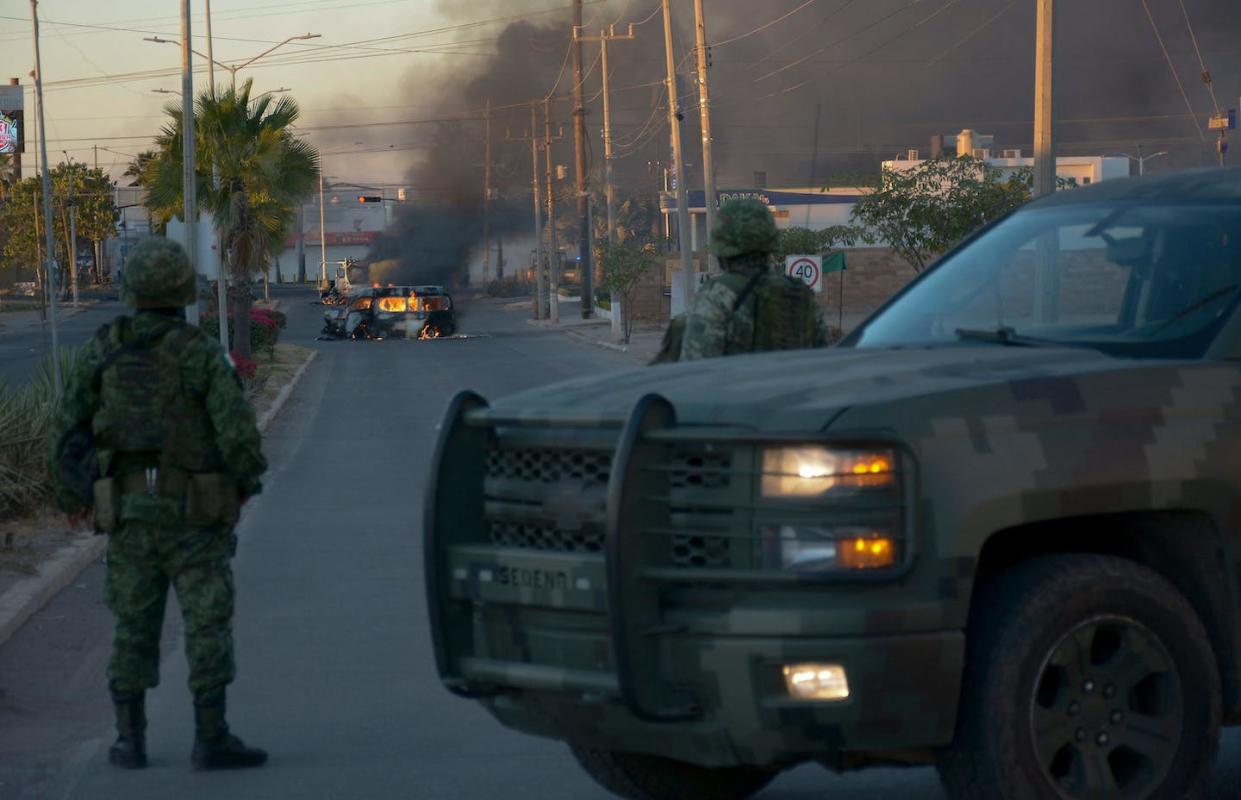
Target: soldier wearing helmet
[(173, 452), (749, 307)]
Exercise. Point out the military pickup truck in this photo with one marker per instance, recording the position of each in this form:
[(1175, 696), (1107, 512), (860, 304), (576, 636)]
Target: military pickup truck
[(997, 529)]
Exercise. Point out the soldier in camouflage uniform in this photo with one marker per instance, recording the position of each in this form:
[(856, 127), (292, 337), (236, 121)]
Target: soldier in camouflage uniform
[(178, 452), (749, 308)]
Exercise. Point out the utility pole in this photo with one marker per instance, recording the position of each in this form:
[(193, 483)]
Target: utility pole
[(71, 231), (98, 245), (609, 181), (189, 200), (610, 35), (323, 233), (585, 268), (221, 278), (553, 258), (704, 115), (211, 68), (1044, 141), (49, 242), (487, 195), (535, 192), (674, 122)]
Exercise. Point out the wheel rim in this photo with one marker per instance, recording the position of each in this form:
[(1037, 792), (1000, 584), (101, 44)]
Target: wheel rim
[(1107, 711)]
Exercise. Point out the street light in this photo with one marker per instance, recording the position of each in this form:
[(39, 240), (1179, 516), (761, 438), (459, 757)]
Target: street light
[(233, 70), (1141, 159)]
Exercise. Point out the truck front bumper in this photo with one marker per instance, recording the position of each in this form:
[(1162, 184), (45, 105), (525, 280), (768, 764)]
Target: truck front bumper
[(903, 697)]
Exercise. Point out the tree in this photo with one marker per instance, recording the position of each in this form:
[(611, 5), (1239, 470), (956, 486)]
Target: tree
[(798, 241), (923, 210), (623, 265), (21, 215), (6, 173), (138, 169), (264, 172)]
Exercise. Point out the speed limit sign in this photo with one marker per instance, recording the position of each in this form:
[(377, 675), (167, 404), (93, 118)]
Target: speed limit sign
[(808, 269)]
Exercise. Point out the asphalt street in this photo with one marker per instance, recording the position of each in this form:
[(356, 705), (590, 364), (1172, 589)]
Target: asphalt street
[(336, 676), (24, 341)]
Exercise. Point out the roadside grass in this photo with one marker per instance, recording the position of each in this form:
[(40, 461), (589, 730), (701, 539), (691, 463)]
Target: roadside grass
[(31, 530), (274, 373)]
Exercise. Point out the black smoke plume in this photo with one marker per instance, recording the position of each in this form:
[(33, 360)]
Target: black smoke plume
[(882, 76)]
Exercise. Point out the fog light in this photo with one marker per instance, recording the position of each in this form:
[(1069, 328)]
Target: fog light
[(816, 681), (866, 552)]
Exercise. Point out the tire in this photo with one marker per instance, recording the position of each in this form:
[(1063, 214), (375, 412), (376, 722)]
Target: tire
[(1069, 659), (643, 777)]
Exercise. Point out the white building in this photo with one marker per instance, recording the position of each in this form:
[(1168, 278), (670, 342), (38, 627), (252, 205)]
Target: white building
[(1079, 170)]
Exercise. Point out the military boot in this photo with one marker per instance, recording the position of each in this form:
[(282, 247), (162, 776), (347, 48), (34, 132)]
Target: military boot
[(129, 751), (215, 747)]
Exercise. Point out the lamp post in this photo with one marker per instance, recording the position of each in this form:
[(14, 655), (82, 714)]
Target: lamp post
[(234, 69), (1142, 159)]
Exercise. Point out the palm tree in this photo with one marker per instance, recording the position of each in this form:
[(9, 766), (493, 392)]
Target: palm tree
[(138, 169), (263, 172)]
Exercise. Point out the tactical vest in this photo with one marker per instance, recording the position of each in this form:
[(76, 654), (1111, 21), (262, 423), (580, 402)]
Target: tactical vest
[(771, 312), (147, 412)]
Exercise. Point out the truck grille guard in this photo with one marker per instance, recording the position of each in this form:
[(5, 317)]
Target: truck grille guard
[(676, 543)]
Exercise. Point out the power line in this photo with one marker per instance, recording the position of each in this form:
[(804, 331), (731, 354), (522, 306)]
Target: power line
[(766, 25), (972, 33), (1172, 68), (1206, 74)]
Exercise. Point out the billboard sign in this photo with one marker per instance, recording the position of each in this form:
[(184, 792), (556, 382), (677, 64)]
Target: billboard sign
[(9, 134)]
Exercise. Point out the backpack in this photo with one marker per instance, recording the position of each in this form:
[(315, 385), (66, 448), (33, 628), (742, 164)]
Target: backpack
[(772, 312), (769, 312), (146, 406)]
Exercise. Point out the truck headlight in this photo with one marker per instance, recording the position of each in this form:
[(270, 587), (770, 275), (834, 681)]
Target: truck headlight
[(818, 549), (811, 470)]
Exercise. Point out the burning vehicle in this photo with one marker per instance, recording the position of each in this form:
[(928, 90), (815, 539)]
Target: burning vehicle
[(412, 312)]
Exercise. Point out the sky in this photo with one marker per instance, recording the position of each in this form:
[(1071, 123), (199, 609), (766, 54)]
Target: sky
[(883, 76), (119, 114)]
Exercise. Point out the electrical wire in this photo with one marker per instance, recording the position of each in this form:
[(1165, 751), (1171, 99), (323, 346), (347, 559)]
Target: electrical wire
[(765, 26), (1172, 68), (841, 40), (1206, 74), (990, 20)]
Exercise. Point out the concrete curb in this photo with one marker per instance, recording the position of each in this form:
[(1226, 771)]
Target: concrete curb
[(21, 602), (619, 348), (27, 597)]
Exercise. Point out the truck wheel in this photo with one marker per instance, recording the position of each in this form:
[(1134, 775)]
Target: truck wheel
[(1087, 677), (642, 777)]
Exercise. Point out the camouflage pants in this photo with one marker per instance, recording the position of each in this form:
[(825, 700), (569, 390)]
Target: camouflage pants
[(143, 561)]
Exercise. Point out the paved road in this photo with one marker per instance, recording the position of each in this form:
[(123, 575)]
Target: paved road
[(336, 677), (24, 341)]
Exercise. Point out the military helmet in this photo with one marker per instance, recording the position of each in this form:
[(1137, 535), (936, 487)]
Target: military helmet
[(158, 275), (743, 227)]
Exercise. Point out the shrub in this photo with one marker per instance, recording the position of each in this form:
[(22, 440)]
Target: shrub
[(247, 368), (265, 327), (25, 414)]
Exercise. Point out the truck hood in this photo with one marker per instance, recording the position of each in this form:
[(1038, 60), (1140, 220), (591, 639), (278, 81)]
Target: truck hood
[(799, 390)]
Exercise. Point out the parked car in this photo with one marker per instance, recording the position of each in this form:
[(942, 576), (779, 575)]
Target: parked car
[(997, 529)]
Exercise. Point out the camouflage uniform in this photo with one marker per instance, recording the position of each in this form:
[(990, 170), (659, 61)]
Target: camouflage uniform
[(744, 238), (152, 546)]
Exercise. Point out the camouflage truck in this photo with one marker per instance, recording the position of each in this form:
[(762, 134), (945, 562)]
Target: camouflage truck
[(997, 529)]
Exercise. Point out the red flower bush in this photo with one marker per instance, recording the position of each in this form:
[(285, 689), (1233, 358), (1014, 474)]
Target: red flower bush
[(246, 367)]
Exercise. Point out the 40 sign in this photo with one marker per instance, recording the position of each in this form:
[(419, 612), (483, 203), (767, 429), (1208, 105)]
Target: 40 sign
[(808, 269)]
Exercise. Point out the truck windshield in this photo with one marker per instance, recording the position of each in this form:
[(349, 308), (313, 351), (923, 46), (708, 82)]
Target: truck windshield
[(1142, 280)]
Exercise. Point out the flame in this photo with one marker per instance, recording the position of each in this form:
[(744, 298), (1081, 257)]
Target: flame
[(429, 332)]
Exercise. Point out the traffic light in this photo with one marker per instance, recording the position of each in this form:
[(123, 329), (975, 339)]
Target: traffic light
[(369, 198)]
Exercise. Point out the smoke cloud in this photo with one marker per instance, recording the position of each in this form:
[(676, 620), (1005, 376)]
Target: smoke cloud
[(883, 76)]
